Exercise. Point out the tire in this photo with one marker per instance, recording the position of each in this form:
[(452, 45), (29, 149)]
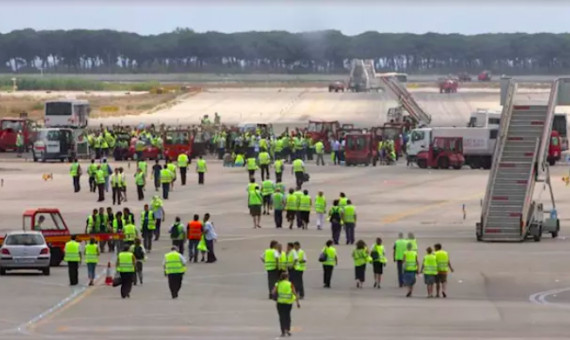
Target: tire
[(46, 271), (551, 161), (537, 237), (2, 271), (443, 163), (422, 163), (62, 160), (56, 257), (457, 167), (554, 234)]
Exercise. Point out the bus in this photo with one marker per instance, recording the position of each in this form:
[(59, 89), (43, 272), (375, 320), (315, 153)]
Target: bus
[(67, 113)]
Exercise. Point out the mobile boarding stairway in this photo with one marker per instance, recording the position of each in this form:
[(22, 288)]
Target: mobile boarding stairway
[(509, 211), (406, 100)]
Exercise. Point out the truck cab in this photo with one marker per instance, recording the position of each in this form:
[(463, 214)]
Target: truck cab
[(360, 148), (443, 152), (177, 142), (9, 128)]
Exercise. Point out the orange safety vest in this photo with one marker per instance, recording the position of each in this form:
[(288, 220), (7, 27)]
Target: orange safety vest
[(194, 230)]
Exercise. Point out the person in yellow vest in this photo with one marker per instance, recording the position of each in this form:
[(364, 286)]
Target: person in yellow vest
[(412, 239), (299, 268), (429, 269), (143, 166), (298, 169), (320, 209), (254, 201), (378, 255), (116, 187), (107, 171), (443, 268), (130, 231), (174, 267), (165, 180), (349, 219), (125, 265), (91, 259), (140, 181), (360, 256), (172, 168), (291, 206), (251, 164), (19, 144), (285, 295), (183, 166), (201, 169), (279, 168), (320, 150), (72, 255), (278, 201), (410, 268), (75, 172), (270, 259), (100, 180), (305, 205), (264, 160), (329, 260), (147, 227), (123, 183), (267, 190), (91, 170), (399, 250)]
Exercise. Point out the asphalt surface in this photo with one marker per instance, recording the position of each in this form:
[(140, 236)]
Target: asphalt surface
[(499, 290)]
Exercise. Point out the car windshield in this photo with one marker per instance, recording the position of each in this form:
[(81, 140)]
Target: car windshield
[(24, 240), (418, 135), (15, 125), (315, 127), (177, 137), (355, 143)]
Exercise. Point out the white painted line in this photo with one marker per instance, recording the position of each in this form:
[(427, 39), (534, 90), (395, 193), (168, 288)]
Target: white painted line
[(540, 298)]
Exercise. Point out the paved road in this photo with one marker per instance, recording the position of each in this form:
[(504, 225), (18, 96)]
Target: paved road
[(489, 293)]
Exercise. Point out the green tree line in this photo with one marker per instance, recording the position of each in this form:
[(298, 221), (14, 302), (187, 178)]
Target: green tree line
[(183, 50)]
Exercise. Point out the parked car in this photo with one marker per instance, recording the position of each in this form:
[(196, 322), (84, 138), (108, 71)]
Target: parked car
[(24, 250), (337, 86)]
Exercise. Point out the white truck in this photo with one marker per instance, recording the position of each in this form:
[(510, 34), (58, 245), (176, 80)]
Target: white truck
[(478, 143)]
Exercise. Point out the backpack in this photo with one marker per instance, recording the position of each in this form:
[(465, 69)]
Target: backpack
[(175, 231), (335, 216), (139, 253)]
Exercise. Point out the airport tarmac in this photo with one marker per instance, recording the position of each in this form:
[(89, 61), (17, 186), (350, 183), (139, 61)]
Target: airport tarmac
[(499, 290)]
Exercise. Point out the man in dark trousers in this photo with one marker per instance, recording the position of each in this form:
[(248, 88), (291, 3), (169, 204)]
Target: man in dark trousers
[(174, 267), (73, 258), (156, 174)]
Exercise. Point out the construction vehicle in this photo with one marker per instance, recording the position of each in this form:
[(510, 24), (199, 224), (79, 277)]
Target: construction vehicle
[(9, 128), (323, 131), (337, 86), (510, 210), (484, 76), (360, 148), (415, 116), (51, 224), (448, 85), (478, 144), (443, 152), (176, 142)]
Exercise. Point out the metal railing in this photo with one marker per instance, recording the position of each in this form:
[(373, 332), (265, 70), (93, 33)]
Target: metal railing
[(547, 129), (498, 152), (526, 211), (406, 99)]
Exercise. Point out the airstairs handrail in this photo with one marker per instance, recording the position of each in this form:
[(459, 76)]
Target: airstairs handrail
[(526, 212)]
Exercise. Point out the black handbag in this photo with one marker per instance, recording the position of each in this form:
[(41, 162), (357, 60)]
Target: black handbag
[(375, 256), (117, 281), (322, 257)]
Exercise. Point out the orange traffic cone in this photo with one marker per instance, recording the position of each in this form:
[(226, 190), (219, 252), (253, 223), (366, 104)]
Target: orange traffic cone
[(108, 276)]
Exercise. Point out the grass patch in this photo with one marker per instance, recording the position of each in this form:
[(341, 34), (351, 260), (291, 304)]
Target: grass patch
[(53, 83)]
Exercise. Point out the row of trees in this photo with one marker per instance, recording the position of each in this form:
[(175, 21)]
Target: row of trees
[(184, 50)]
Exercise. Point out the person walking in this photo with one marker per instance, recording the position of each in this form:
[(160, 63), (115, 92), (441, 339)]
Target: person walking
[(267, 190), (165, 180), (429, 269), (194, 233), (125, 265), (183, 166), (201, 169), (142, 165), (156, 170), (270, 259), (72, 255), (178, 235), (130, 231), (140, 256), (20, 144), (291, 207), (107, 171), (279, 168), (140, 181), (330, 260), (320, 209), (174, 268), (251, 164), (335, 217), (210, 237), (349, 219), (378, 255), (116, 187), (278, 201), (123, 183), (147, 227), (399, 249), (91, 172), (100, 180), (360, 256), (299, 269), (264, 160), (299, 170), (75, 172), (157, 207), (320, 151), (91, 259), (443, 268), (254, 201), (285, 295), (410, 268), (172, 168)]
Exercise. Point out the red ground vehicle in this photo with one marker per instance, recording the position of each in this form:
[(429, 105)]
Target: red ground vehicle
[(55, 231), (484, 76), (464, 76), (149, 152), (360, 148), (9, 128), (443, 152), (177, 142), (448, 85), (323, 131), (393, 131), (337, 86), (555, 148)]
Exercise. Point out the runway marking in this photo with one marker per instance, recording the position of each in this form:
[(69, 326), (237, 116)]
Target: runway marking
[(414, 211), (540, 298)]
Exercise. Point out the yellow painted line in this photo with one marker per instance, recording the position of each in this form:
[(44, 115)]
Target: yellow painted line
[(414, 211)]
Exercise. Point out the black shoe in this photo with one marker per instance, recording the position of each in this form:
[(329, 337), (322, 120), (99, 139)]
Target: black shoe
[(375, 284), (409, 294), (444, 295)]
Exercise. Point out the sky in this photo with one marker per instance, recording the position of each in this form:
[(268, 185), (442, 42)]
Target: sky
[(349, 16)]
